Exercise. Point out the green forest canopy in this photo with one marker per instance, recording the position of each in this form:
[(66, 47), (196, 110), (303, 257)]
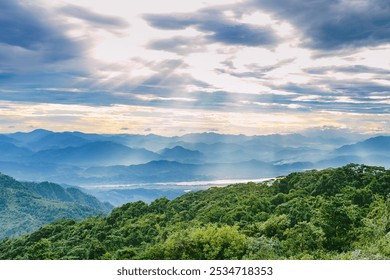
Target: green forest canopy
[(340, 213)]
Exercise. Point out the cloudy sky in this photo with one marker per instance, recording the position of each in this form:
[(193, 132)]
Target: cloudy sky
[(173, 67)]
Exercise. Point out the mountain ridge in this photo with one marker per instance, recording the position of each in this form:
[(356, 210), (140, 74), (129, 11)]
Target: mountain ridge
[(115, 157), (25, 206)]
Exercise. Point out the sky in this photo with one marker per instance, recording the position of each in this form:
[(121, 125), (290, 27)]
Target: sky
[(174, 67)]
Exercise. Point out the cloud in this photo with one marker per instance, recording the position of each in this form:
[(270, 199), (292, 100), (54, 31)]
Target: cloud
[(216, 27), (237, 59), (32, 33), (36, 52), (342, 96), (180, 44), (93, 18), (347, 69), (334, 24)]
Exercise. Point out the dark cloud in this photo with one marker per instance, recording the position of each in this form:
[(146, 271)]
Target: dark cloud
[(36, 53), (362, 69), (348, 96), (27, 28), (334, 24), (347, 69), (93, 18), (179, 44), (217, 27)]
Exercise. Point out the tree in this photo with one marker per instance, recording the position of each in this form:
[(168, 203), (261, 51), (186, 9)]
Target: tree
[(303, 238), (41, 250), (275, 226), (210, 243), (339, 219)]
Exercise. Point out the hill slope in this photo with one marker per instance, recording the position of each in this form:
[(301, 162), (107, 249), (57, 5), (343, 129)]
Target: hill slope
[(341, 213), (24, 207)]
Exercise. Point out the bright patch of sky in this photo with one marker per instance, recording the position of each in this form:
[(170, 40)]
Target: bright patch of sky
[(172, 67)]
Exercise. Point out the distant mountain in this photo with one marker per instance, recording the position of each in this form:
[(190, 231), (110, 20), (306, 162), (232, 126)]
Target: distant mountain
[(96, 153), (219, 152), (28, 137), (25, 207), (171, 171), (150, 142), (152, 172), (332, 135), (346, 159), (11, 152), (83, 158), (278, 140), (181, 154), (57, 140), (379, 144), (211, 138), (291, 155), (40, 171), (6, 139)]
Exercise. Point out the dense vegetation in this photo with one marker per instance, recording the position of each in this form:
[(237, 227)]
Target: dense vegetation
[(341, 213), (26, 206)]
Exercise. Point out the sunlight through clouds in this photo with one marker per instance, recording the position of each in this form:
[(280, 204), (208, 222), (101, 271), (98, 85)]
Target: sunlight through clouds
[(232, 66)]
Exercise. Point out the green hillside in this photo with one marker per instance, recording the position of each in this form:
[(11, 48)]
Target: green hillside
[(25, 206), (341, 213)]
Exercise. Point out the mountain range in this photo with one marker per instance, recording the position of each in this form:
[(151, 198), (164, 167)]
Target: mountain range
[(78, 158)]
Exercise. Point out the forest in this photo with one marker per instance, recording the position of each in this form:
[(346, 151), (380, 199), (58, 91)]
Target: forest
[(336, 213), (26, 206)]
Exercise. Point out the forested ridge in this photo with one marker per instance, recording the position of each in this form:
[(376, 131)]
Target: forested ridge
[(26, 206), (338, 213)]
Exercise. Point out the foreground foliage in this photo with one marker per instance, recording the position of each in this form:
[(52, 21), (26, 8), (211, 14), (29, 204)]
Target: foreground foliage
[(341, 213)]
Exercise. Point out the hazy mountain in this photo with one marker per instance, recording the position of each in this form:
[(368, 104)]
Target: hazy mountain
[(82, 158), (279, 140), (375, 145), (96, 153), (338, 161), (28, 137), (57, 140), (154, 171), (171, 171), (291, 155), (40, 171), (211, 138), (219, 152), (181, 154), (150, 142), (332, 135), (6, 139), (11, 152)]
